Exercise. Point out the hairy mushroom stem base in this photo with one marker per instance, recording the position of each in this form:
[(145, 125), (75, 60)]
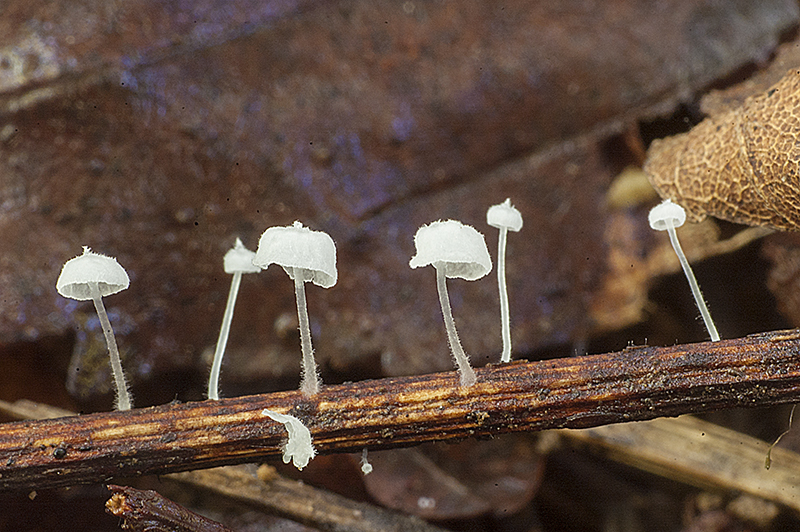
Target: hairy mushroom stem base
[(123, 399), (309, 381), (687, 269), (464, 368)]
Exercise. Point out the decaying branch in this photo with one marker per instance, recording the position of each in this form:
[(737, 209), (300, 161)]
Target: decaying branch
[(634, 384), (148, 511), (261, 488), (699, 453)]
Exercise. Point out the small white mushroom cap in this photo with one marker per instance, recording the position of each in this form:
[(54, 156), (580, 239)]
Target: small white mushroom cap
[(457, 248), (239, 259), (504, 215), (664, 212), (91, 267), (296, 246)]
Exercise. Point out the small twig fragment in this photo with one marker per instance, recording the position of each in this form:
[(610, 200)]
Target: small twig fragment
[(147, 511), (631, 385), (695, 452)]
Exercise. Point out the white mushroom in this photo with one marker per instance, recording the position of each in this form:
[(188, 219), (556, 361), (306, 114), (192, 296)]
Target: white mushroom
[(305, 255), (298, 449), (366, 467), (455, 250), (666, 216), (237, 260), (94, 276), (506, 218)]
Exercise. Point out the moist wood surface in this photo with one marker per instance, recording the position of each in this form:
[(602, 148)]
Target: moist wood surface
[(637, 383)]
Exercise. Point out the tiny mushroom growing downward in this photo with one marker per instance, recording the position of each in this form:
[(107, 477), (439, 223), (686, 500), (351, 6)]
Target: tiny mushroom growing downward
[(298, 449), (366, 467), (305, 255), (455, 250), (666, 216), (506, 218), (94, 276), (237, 260)]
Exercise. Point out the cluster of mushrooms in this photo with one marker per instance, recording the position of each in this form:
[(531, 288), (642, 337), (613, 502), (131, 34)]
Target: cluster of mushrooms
[(455, 250)]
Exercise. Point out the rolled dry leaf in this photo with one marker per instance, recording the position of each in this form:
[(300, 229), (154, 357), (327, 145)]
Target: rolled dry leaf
[(742, 165)]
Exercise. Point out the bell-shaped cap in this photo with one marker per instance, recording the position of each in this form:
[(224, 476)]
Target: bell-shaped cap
[(239, 259), (296, 246), (504, 215), (457, 248), (78, 273), (666, 212)]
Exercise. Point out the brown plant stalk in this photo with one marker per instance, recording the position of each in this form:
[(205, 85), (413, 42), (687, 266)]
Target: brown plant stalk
[(637, 383), (148, 511)]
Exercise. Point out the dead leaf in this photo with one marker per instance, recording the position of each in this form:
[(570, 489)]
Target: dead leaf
[(783, 280), (742, 165), (457, 481)]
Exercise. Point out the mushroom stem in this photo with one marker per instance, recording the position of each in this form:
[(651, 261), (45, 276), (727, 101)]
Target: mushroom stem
[(222, 341), (123, 399), (309, 381), (505, 318), (698, 296), (464, 368)]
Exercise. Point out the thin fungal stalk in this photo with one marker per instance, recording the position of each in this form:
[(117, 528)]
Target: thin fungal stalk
[(222, 341), (687, 269), (123, 397), (505, 315), (309, 383), (465, 370)]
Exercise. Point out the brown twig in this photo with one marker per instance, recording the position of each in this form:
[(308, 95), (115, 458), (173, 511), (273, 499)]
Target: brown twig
[(264, 489), (699, 453), (274, 494), (634, 384), (148, 511)]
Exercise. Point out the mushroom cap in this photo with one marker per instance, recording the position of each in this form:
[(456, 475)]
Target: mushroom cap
[(666, 210), (296, 246), (239, 259), (504, 215), (457, 248), (91, 267)]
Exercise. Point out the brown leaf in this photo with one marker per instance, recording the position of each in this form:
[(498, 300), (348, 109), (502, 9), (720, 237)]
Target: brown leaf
[(742, 165), (457, 481), (783, 280), (787, 57)]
